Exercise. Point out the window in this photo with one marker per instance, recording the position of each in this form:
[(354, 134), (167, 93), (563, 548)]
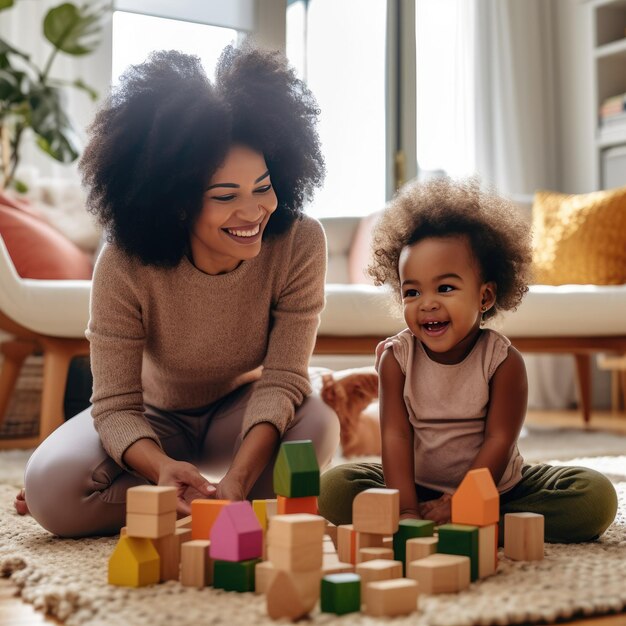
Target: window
[(136, 35), (339, 50)]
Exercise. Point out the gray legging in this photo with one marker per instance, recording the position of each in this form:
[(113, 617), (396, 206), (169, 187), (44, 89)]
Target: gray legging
[(74, 489)]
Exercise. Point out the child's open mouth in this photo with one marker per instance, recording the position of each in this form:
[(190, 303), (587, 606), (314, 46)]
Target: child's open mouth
[(434, 329)]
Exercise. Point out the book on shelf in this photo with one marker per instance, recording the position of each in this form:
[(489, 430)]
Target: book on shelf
[(610, 121), (613, 105)]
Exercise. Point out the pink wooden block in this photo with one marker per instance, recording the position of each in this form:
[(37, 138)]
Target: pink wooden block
[(236, 534)]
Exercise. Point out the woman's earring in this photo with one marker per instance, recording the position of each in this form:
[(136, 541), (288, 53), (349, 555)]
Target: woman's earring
[(483, 310)]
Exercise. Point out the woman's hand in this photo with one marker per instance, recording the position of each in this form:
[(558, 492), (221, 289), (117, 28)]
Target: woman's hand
[(439, 510), (190, 484), (231, 488)]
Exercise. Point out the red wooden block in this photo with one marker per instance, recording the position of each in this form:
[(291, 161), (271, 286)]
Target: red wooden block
[(307, 504)]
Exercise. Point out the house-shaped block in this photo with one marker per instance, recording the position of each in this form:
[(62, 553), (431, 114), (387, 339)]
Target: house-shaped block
[(296, 471), (236, 534), (476, 502), (134, 563)]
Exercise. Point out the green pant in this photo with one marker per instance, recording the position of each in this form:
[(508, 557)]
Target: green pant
[(578, 504)]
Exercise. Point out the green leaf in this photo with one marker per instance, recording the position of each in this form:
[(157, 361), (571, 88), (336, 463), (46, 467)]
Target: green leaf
[(74, 30), (55, 134), (6, 48), (12, 85), (6, 4), (19, 186), (79, 84)]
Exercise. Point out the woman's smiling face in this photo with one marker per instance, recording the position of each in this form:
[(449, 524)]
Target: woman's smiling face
[(237, 205)]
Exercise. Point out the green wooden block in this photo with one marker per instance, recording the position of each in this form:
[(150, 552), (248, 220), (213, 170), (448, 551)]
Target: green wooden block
[(296, 472), (409, 529), (460, 539), (341, 593), (234, 575)]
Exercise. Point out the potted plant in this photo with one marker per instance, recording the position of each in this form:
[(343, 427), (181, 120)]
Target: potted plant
[(31, 98)]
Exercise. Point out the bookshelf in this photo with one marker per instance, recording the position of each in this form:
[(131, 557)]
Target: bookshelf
[(608, 19)]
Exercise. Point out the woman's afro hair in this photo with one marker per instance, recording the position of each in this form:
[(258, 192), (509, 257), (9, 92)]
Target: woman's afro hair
[(498, 234), (164, 131)]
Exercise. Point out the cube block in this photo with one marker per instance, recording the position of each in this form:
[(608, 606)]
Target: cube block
[(150, 500), (376, 511), (524, 536), (341, 594), (234, 576), (287, 506), (389, 598), (410, 529), (379, 569), (462, 540), (150, 526), (440, 573), (203, 515)]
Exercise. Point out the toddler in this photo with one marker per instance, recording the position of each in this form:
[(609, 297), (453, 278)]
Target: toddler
[(453, 394)]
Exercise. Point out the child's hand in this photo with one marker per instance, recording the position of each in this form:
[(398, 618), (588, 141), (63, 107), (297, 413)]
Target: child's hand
[(439, 510)]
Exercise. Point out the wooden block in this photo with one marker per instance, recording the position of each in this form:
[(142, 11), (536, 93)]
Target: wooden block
[(168, 548), (371, 554), (150, 526), (260, 510), (235, 575), (476, 502), (203, 515), (380, 569), (376, 511), (336, 567), (410, 529), (123, 532), (196, 566), (440, 573), (368, 540), (236, 534), (340, 594), (295, 530), (150, 500), (420, 548), (389, 598), (328, 547), (331, 531), (287, 506), (183, 534), (487, 550), (462, 540), (301, 559), (346, 543), (296, 471), (271, 508), (264, 573), (134, 563), (524, 536), (184, 522), (293, 596)]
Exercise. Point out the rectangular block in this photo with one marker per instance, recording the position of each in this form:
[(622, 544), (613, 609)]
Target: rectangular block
[(523, 536), (340, 594), (196, 567), (376, 511), (440, 573), (410, 529), (304, 558), (235, 576), (389, 598), (296, 529), (184, 522), (336, 567), (487, 550), (264, 573), (260, 510), (150, 500), (368, 540), (371, 554), (346, 543), (462, 540), (420, 548), (271, 508), (203, 516), (168, 548), (380, 569), (287, 506), (150, 526)]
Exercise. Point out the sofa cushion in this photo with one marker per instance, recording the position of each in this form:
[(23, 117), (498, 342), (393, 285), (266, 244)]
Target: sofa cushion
[(580, 239), (39, 251)]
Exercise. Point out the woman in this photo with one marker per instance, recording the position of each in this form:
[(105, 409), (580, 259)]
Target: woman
[(206, 300)]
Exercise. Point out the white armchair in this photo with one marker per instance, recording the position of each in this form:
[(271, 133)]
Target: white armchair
[(48, 316)]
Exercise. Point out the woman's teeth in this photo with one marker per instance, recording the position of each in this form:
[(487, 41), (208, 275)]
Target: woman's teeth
[(244, 233)]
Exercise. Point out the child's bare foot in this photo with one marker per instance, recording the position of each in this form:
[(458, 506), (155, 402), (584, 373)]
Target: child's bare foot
[(20, 503)]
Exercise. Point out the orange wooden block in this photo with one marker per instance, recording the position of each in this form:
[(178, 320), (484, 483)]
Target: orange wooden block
[(476, 502), (376, 511), (388, 598), (287, 506), (203, 516), (346, 543)]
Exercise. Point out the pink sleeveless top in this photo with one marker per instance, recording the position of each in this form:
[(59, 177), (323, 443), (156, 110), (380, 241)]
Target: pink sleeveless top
[(447, 407)]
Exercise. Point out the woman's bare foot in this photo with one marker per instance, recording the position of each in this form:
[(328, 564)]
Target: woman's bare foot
[(20, 503)]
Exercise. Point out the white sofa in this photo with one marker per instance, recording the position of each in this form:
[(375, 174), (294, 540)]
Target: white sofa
[(571, 319)]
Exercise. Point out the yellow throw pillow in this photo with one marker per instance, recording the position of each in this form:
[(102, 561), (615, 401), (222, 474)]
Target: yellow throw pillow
[(580, 239)]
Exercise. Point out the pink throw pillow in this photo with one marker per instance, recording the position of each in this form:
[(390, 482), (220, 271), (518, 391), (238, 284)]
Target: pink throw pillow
[(360, 250), (38, 250)]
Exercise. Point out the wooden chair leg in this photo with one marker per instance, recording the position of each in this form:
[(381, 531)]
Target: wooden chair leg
[(58, 354), (15, 352), (583, 371)]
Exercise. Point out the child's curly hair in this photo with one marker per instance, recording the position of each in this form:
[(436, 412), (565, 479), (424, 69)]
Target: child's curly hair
[(165, 130), (499, 235)]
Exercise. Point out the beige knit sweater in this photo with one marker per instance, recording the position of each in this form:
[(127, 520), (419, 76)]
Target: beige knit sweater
[(179, 339)]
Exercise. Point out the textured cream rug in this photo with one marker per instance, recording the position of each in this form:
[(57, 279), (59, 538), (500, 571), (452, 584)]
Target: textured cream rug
[(67, 578)]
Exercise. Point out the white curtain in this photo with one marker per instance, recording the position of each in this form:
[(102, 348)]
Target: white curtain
[(22, 26)]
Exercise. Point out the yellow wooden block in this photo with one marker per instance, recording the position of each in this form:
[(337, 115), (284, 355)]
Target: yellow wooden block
[(260, 510), (150, 500), (440, 573), (150, 526), (523, 536), (388, 598), (376, 511), (134, 563)]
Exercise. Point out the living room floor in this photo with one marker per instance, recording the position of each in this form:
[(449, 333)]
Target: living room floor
[(15, 612)]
